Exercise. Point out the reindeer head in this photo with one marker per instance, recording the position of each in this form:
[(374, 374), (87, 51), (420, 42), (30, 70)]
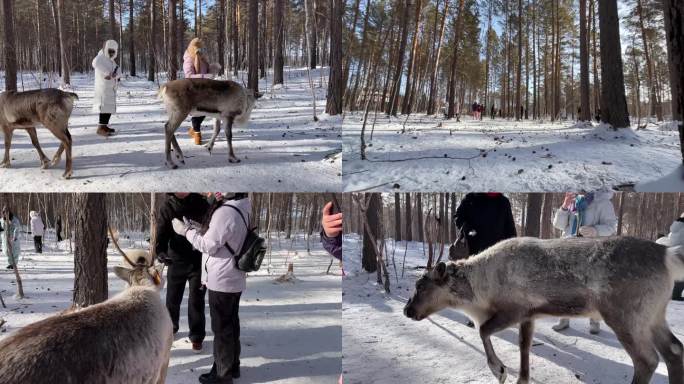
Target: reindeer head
[(142, 271), (443, 286)]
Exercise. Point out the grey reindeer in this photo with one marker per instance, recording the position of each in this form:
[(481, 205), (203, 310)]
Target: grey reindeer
[(625, 281), (124, 340), (227, 101), (48, 107)]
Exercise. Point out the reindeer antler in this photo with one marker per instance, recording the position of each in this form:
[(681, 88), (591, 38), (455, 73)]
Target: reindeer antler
[(116, 245)]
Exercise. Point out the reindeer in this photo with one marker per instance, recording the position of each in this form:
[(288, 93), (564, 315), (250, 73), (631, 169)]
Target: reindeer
[(227, 101), (124, 340), (625, 281), (49, 107)]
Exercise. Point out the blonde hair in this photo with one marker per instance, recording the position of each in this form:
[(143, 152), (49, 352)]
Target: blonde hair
[(194, 45)]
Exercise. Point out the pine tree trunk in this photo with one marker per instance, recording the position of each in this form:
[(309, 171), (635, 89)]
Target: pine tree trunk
[(9, 47), (533, 209), (152, 39), (518, 80), (173, 42), (674, 28), (131, 38), (406, 105), (336, 83), (613, 100), (585, 114), (235, 37), (655, 109), (373, 218), (433, 76), (66, 71), (253, 47), (278, 31), (399, 69), (409, 221), (112, 21), (90, 253), (452, 110)]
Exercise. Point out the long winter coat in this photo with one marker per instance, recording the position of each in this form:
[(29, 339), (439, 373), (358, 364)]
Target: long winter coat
[(676, 235), (37, 226), (104, 99), (14, 229), (219, 269), (176, 247), (485, 219), (599, 214)]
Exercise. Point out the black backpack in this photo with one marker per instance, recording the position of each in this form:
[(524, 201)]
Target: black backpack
[(253, 250)]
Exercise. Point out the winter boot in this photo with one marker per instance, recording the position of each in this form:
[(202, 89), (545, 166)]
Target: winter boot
[(197, 347), (562, 325), (594, 326), (198, 138), (104, 130)]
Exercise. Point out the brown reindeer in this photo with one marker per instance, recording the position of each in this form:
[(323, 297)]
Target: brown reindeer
[(625, 281), (49, 107), (227, 101), (124, 340)]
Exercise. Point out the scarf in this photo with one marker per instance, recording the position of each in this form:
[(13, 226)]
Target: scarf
[(578, 208)]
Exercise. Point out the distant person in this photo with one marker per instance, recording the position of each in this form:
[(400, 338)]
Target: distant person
[(196, 65), (10, 230), (184, 262), (37, 230), (58, 228), (481, 108), (586, 215), (673, 239), (493, 113), (106, 83), (475, 109)]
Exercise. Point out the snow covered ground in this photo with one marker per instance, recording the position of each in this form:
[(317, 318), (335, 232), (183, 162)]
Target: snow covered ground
[(501, 155), (291, 332), (282, 149), (381, 345)]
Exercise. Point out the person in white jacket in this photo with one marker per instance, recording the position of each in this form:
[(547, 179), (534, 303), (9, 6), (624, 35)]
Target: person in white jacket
[(219, 240), (586, 215), (106, 81), (673, 239), (37, 230)]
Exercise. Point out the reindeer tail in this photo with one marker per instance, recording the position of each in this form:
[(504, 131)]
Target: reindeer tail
[(674, 259)]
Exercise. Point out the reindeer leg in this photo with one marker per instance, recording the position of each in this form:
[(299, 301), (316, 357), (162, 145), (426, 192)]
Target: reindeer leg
[(8, 143), (63, 135), (217, 129), (671, 349), (496, 323), (58, 155), (229, 136), (526, 331), (44, 161), (634, 335), (175, 120), (176, 148)]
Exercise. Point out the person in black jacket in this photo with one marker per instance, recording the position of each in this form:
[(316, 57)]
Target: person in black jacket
[(485, 219), (183, 261)]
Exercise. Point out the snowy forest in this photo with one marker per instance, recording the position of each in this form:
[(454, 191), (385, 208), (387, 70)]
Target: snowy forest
[(74, 270), (406, 234), (287, 52), (448, 80)]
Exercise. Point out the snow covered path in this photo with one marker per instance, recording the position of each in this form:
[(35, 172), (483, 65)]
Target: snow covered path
[(501, 155), (383, 346), (282, 149), (291, 333)]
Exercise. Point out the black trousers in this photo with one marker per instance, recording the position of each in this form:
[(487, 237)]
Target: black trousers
[(104, 118), (197, 123), (225, 323), (38, 243), (178, 274), (58, 230)]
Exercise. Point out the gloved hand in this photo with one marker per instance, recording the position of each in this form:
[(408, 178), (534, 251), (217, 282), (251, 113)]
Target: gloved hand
[(588, 231), (180, 227), (164, 259)]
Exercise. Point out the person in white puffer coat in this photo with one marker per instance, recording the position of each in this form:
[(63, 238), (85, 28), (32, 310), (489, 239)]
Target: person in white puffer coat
[(37, 230), (106, 81), (586, 215), (673, 239)]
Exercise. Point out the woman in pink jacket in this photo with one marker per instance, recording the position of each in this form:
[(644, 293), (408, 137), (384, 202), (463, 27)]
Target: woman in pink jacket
[(195, 65)]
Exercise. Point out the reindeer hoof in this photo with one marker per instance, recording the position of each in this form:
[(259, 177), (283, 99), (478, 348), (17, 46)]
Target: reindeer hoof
[(5, 164), (234, 160), (171, 165), (45, 164), (522, 381), (67, 175), (503, 374), (54, 162)]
